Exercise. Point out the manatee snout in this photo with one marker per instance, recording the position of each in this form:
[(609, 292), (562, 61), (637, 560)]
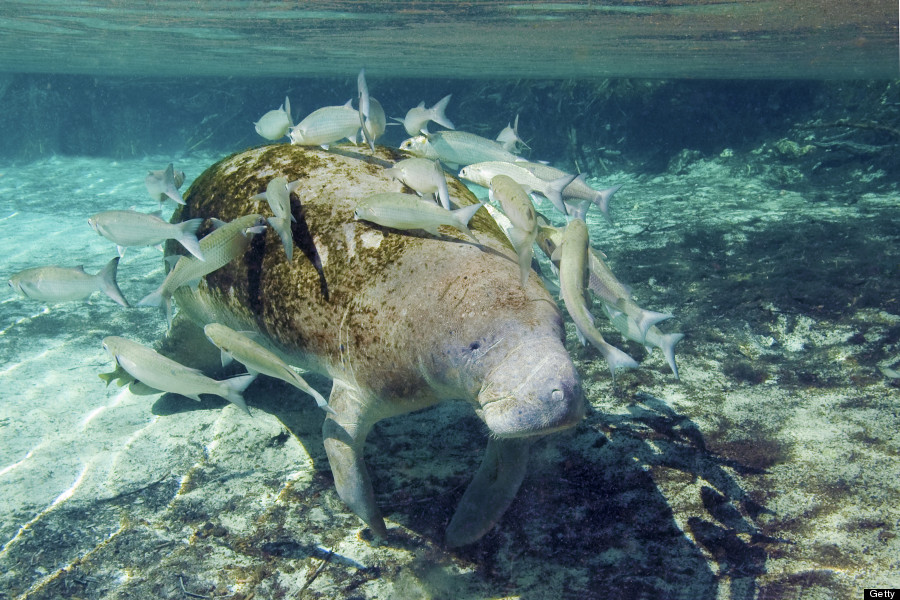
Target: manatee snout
[(535, 390)]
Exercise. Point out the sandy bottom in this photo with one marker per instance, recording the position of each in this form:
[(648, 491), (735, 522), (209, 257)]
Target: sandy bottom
[(769, 470)]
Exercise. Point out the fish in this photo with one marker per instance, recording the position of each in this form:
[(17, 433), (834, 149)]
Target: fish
[(417, 118), (327, 125), (372, 119), (572, 255), (457, 148), (164, 184), (423, 175), (509, 137), (275, 124), (164, 374), (519, 210), (614, 294), (578, 189), (482, 174), (603, 283), (128, 228), (63, 284), (278, 195), (651, 337), (219, 248), (258, 359), (405, 211)]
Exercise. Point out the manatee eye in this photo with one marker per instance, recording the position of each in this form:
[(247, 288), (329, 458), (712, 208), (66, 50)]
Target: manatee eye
[(557, 396)]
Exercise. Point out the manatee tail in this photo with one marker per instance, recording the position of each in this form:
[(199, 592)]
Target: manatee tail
[(187, 237), (235, 388), (108, 285)]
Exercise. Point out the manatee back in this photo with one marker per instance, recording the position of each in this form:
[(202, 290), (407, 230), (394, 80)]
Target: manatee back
[(383, 298)]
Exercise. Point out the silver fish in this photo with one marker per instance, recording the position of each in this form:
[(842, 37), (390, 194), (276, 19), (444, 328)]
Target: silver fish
[(127, 228), (372, 119), (417, 118), (278, 196), (164, 184), (257, 359), (604, 284), (482, 174), (219, 248), (653, 336), (164, 374), (275, 124), (509, 137), (578, 189), (572, 270), (520, 211), (423, 175), (457, 148), (405, 211), (327, 125), (62, 284)]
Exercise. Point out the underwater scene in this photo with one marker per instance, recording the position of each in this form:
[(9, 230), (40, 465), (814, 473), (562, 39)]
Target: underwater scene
[(449, 300)]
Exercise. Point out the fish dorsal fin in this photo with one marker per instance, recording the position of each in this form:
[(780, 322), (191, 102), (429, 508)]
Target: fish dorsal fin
[(349, 103)]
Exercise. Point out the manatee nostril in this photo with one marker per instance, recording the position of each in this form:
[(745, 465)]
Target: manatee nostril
[(474, 346), (557, 395)]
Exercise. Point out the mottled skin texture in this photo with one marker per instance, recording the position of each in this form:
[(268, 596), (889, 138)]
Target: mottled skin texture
[(410, 319)]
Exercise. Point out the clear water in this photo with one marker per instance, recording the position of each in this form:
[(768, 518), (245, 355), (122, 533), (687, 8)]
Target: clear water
[(763, 214)]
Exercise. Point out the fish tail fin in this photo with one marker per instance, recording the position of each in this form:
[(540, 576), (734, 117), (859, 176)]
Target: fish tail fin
[(283, 228), (667, 345), (523, 242), (108, 282), (287, 110), (235, 390), (518, 139), (437, 113), (301, 385), (603, 197), (171, 188), (616, 359), (188, 237), (443, 192), (577, 209), (464, 214), (647, 319), (154, 298), (555, 189)]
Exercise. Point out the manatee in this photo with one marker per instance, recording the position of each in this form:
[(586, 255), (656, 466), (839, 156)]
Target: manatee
[(398, 320)]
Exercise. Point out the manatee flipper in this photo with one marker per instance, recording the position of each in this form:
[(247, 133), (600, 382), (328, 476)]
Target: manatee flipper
[(344, 434), (491, 491)]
